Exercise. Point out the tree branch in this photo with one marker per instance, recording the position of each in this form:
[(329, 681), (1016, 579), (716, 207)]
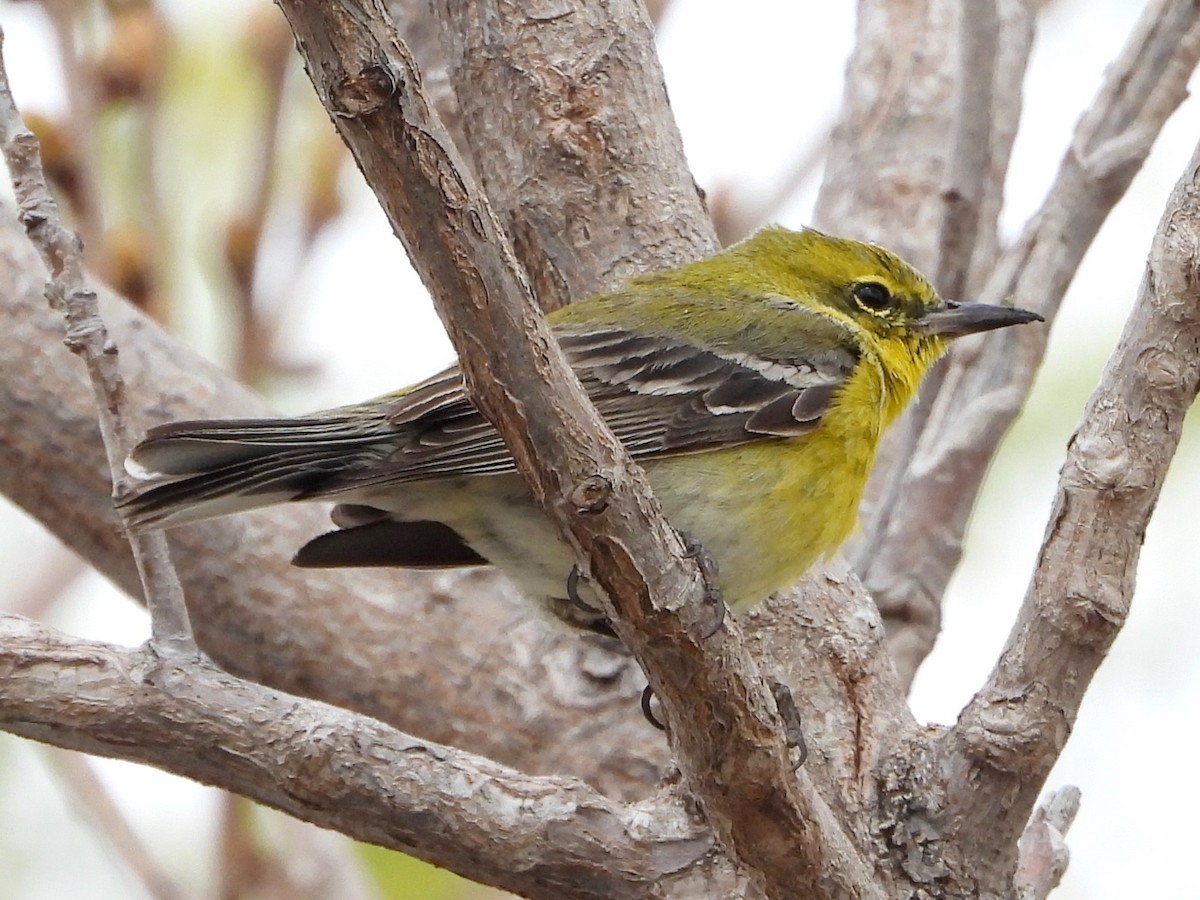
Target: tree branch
[(540, 836), (1006, 740), (969, 160), (985, 382), (613, 196), (88, 793), (511, 685), (729, 748), (901, 122), (69, 293), (1042, 851), (883, 807)]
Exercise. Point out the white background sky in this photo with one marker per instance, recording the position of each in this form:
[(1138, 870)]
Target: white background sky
[(750, 89)]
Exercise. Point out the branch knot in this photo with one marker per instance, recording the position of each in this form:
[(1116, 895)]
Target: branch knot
[(591, 496), (363, 93)]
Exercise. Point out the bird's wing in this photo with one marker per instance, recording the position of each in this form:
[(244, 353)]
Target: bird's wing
[(660, 395)]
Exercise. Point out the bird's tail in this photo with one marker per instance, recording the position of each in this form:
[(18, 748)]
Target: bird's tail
[(197, 470)]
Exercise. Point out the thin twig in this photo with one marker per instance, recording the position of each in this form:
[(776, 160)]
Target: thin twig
[(68, 292), (985, 383), (970, 154), (110, 823), (244, 234), (1043, 855), (81, 113), (262, 853), (156, 226)]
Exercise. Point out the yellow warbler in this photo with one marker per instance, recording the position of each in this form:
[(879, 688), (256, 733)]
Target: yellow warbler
[(753, 385)]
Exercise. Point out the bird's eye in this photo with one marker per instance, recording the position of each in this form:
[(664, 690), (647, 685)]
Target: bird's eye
[(873, 295)]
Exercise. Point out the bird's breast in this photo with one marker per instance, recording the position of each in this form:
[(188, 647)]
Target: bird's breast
[(768, 510)]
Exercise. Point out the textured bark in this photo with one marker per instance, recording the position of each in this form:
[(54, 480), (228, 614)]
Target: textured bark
[(582, 160), (730, 749), (68, 292), (510, 684), (934, 460), (1010, 735), (535, 835), (882, 807), (930, 109)]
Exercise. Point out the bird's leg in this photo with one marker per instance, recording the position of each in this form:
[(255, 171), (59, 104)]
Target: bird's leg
[(790, 714), (712, 597), (709, 569)]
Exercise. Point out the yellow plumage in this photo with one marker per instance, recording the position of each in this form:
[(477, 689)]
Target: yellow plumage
[(753, 386)]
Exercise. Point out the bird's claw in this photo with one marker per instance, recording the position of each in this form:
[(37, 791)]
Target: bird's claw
[(648, 710), (790, 714), (709, 569), (573, 581)]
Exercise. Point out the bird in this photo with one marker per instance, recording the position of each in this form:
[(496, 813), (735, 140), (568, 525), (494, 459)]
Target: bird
[(753, 386)]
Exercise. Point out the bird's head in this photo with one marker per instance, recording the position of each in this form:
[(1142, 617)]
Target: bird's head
[(873, 290), (882, 303)]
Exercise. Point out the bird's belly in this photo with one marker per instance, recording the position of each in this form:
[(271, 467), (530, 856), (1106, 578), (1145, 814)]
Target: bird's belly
[(496, 516), (764, 515)]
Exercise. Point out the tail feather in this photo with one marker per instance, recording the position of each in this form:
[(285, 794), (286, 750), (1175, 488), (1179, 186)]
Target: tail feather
[(198, 470), (185, 448)]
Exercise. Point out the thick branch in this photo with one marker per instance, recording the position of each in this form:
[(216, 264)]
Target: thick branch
[(730, 747), (584, 162), (1009, 736), (591, 93), (825, 640), (548, 836)]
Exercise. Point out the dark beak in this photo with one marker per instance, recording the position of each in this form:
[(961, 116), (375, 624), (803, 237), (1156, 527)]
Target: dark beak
[(957, 319)]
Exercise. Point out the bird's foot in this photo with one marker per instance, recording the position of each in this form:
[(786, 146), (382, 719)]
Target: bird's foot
[(648, 709), (574, 579), (790, 714), (709, 569)]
